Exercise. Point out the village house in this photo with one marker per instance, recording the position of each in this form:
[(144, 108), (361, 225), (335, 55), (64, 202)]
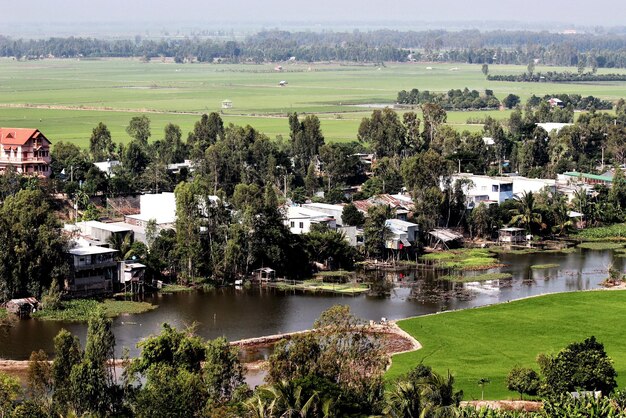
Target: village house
[(107, 166), (402, 234), (26, 150), (401, 204), (497, 189), (299, 219), (93, 270)]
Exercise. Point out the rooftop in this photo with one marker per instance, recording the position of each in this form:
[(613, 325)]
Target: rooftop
[(91, 250), (104, 226), (18, 136), (588, 176)]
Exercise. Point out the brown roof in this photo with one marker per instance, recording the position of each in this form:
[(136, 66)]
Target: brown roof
[(19, 136), (382, 200)]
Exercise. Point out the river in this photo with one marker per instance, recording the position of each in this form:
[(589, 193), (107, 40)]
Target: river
[(255, 312)]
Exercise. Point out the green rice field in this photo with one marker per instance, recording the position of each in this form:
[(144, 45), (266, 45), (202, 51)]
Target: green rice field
[(67, 98), (487, 342)]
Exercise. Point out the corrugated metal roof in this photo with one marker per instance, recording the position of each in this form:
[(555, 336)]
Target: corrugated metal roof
[(445, 235)]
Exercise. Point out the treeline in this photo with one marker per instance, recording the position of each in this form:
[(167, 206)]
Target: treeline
[(455, 99), (469, 46), (335, 371), (557, 77)]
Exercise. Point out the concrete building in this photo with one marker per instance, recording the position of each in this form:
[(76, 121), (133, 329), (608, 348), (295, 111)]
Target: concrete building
[(98, 233), (160, 206), (300, 219), (107, 166), (26, 150), (497, 189), (93, 270), (335, 211)]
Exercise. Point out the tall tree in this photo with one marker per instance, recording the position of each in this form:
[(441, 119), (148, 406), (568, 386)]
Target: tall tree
[(101, 145), (385, 132), (139, 129)]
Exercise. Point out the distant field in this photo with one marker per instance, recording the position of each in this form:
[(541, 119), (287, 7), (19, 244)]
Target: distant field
[(487, 342), (67, 98)]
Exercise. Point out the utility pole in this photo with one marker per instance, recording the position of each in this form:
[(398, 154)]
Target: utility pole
[(459, 166)]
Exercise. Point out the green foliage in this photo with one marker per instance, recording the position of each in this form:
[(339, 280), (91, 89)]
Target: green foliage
[(615, 232), (579, 366), (10, 390), (477, 277), (81, 309), (341, 353), (352, 216), (32, 249), (523, 380), (601, 246), (544, 266)]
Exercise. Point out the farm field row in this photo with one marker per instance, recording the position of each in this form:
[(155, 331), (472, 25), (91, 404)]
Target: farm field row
[(488, 342), (67, 98)]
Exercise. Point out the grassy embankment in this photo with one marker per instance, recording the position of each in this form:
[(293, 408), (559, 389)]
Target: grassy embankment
[(463, 259), (80, 309), (487, 342), (610, 233), (337, 281), (67, 98)]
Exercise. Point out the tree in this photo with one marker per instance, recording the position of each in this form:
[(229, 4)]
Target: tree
[(530, 69), (32, 248), (579, 366), (375, 231), (135, 158), (434, 116), (188, 243), (526, 214), (385, 132), (523, 380), (39, 378), (482, 382), (352, 216), (205, 133), (67, 354), (480, 221), (342, 361), (510, 101), (485, 69), (91, 380), (100, 144), (306, 140), (139, 129)]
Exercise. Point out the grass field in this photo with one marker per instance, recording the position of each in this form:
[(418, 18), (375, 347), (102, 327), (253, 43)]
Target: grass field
[(487, 342), (67, 98)]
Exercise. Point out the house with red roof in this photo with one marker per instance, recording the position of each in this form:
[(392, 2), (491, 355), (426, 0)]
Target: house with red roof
[(27, 150)]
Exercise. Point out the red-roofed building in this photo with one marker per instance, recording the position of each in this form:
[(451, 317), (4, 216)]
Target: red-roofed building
[(26, 150)]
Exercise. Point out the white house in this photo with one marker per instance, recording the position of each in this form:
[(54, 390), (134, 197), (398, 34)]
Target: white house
[(403, 234), (485, 188), (299, 219), (107, 166), (553, 126), (336, 211), (160, 206), (497, 189)]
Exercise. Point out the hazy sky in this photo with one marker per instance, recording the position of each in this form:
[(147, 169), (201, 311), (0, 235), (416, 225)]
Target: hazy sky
[(597, 12)]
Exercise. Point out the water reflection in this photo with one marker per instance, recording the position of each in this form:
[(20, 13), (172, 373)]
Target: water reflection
[(242, 313)]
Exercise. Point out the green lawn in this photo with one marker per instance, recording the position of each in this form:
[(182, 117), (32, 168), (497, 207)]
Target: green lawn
[(489, 341), (79, 310), (67, 98)]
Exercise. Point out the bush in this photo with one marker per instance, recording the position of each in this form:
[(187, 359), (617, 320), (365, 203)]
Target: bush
[(523, 380)]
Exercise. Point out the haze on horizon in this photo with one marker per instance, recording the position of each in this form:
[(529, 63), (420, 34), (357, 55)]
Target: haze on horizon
[(321, 12)]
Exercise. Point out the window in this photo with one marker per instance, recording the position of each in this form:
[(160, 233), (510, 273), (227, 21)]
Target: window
[(292, 224), (506, 187), (495, 188), (301, 225)]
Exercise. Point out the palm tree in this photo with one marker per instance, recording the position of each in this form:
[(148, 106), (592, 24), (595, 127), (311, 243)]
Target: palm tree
[(404, 400), (283, 399), (526, 214), (482, 382), (122, 243)]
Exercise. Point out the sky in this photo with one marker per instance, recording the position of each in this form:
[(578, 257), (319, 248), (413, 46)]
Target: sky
[(323, 12)]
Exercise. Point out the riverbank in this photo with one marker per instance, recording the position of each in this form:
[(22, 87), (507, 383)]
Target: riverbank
[(487, 342)]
